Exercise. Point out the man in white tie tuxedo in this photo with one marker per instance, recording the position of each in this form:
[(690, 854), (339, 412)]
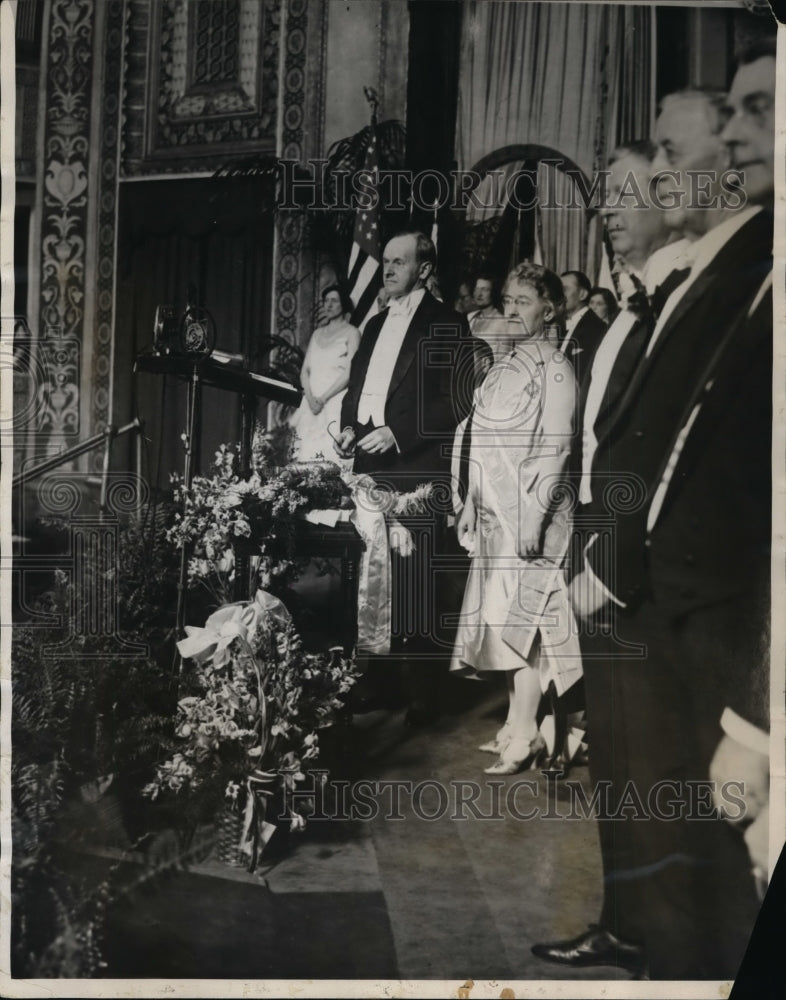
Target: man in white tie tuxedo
[(681, 575), (399, 409), (637, 234), (410, 384)]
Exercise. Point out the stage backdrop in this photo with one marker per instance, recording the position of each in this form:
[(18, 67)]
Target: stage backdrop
[(513, 92), (215, 235)]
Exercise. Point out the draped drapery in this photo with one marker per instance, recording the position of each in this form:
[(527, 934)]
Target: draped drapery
[(171, 234), (571, 77)]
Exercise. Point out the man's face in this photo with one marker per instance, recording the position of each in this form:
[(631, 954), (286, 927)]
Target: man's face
[(575, 295), (750, 130), (400, 269), (464, 301), (635, 226), (482, 293), (686, 141)]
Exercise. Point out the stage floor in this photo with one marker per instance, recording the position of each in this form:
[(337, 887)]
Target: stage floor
[(383, 898)]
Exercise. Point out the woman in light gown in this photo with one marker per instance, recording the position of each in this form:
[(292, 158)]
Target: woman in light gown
[(324, 376), (515, 523)]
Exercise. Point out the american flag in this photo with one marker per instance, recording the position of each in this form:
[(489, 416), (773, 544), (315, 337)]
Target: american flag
[(365, 268)]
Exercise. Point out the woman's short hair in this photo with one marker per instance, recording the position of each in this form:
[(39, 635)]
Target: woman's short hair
[(545, 282), (347, 305), (608, 297)]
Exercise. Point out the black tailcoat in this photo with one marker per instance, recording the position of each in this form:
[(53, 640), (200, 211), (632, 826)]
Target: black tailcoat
[(689, 640)]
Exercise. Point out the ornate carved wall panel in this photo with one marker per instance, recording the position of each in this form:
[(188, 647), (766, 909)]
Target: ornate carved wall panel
[(77, 177), (302, 124), (64, 187), (201, 82), (103, 285)]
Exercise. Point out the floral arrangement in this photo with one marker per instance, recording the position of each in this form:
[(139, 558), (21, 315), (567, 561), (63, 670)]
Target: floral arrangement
[(250, 720), (224, 512)]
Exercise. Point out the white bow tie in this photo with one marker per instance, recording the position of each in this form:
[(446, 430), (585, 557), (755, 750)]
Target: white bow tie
[(398, 307)]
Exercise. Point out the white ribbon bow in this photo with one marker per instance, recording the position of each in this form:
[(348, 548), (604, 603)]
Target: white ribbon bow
[(230, 622)]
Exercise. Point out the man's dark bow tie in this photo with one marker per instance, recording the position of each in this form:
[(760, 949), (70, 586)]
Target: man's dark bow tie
[(666, 287), (649, 307)]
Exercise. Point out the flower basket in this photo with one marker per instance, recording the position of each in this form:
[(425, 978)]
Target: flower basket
[(248, 724)]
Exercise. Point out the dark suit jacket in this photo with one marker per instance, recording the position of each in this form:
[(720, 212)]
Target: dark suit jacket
[(430, 392), (695, 347), (584, 342), (625, 365), (621, 373), (711, 544)]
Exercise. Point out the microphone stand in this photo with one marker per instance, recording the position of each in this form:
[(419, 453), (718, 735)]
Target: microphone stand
[(188, 475), (242, 560)]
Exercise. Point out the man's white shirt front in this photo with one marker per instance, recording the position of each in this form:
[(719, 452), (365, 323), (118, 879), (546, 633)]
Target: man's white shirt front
[(374, 394), (570, 325), (602, 365), (659, 265)]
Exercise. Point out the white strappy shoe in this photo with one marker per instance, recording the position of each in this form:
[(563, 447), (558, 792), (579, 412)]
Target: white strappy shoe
[(519, 755), (500, 741)]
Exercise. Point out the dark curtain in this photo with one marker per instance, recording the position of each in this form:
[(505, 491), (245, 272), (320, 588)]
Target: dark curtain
[(212, 235), (432, 93)]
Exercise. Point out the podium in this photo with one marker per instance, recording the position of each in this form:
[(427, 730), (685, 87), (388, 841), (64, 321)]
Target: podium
[(221, 371)]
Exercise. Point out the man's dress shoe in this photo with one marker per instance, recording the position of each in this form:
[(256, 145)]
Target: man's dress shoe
[(594, 947)]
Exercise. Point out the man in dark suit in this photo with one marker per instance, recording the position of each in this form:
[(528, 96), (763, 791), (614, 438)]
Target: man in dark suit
[(637, 235), (743, 750), (410, 384), (583, 328), (680, 575)]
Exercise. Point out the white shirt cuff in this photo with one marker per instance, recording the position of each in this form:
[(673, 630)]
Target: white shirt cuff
[(596, 579), (745, 732)]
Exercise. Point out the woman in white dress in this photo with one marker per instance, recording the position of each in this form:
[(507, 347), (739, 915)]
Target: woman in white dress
[(514, 521), (324, 377)]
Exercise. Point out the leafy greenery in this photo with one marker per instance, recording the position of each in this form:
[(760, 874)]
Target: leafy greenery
[(84, 719)]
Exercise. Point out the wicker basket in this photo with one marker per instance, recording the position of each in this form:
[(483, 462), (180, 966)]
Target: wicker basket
[(228, 834)]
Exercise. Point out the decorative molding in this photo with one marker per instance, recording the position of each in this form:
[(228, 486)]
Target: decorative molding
[(106, 222), (27, 83), (64, 212), (58, 396), (303, 69), (135, 73), (290, 225), (201, 82)]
